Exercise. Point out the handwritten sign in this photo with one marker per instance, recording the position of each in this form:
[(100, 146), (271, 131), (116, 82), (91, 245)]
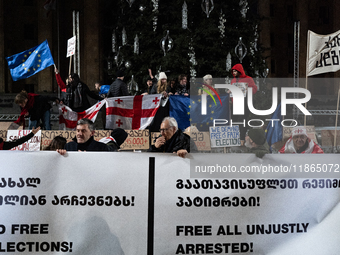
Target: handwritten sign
[(31, 145), (202, 140), (47, 136), (71, 46), (225, 136), (136, 140)]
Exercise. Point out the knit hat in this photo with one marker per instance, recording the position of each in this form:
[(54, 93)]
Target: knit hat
[(120, 73), (149, 78), (299, 131), (162, 75), (119, 135), (257, 135), (206, 77)]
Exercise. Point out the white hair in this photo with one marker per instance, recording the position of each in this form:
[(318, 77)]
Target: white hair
[(172, 122)]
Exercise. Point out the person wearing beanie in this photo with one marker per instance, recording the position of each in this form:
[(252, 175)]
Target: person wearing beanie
[(162, 85), (116, 139), (207, 80), (299, 142), (118, 88), (256, 142)]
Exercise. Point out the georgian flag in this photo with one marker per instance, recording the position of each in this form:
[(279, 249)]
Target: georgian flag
[(68, 118), (131, 112)]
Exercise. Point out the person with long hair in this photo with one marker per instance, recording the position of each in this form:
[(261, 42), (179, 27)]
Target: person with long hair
[(161, 86), (58, 142), (76, 94)]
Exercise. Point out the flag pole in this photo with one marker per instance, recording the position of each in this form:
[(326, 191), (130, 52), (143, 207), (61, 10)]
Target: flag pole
[(305, 122), (336, 120), (307, 69), (69, 69)]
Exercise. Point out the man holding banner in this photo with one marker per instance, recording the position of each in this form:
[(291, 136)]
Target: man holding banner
[(84, 140)]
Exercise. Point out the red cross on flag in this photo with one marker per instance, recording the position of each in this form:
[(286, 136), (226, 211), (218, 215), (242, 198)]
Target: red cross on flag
[(131, 112), (68, 118)]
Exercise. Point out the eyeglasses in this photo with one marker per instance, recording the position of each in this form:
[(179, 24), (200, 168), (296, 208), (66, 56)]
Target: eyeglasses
[(163, 129)]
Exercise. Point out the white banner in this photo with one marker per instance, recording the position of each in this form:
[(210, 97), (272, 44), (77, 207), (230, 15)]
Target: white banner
[(322, 53), (86, 204), (79, 204)]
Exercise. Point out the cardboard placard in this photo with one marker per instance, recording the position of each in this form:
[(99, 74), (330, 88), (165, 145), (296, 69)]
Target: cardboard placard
[(224, 136), (48, 135), (136, 140), (327, 137), (202, 140)]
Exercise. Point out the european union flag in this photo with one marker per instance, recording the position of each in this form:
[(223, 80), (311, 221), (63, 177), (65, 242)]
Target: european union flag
[(274, 129), (29, 62), (215, 110), (179, 109), (187, 111)]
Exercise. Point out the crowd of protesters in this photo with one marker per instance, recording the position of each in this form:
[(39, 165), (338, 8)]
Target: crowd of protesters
[(75, 92)]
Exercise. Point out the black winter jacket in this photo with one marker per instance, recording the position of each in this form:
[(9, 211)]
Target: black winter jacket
[(117, 89), (76, 97), (177, 142), (90, 145)]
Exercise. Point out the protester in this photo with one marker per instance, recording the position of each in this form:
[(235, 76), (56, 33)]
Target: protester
[(299, 142), (76, 94), (11, 144), (103, 90), (241, 77), (84, 140), (116, 139), (207, 80), (161, 86), (61, 84), (58, 142), (36, 107), (151, 82), (256, 142), (118, 88), (181, 88), (172, 139)]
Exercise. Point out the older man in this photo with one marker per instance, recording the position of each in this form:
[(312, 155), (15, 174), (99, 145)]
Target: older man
[(300, 143), (172, 139), (84, 140)]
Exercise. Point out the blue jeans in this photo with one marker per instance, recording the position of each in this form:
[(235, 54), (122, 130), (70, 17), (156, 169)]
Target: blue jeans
[(46, 121)]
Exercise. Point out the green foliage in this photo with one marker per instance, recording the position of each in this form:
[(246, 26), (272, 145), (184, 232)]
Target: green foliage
[(210, 48)]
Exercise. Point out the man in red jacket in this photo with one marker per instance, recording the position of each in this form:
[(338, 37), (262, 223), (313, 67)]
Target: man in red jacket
[(300, 143), (241, 77)]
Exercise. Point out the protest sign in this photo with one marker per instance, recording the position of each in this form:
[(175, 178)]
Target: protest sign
[(202, 140), (71, 46), (225, 136), (31, 145)]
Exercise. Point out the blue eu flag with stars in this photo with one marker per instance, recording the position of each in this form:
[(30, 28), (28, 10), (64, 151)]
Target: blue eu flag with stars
[(187, 111), (29, 62)]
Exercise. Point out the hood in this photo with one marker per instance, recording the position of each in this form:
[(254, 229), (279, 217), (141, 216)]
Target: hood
[(239, 67)]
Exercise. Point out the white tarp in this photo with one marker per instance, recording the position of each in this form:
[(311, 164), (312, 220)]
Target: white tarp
[(322, 53), (202, 215)]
